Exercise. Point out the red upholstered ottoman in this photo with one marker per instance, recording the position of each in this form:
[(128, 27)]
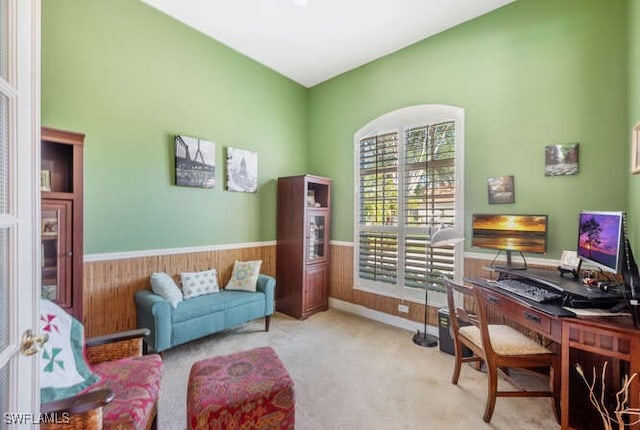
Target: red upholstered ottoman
[(245, 390)]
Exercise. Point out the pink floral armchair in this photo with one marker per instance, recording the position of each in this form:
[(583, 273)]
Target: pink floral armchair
[(125, 397)]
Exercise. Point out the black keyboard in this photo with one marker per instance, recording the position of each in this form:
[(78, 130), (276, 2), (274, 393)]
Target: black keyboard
[(528, 291)]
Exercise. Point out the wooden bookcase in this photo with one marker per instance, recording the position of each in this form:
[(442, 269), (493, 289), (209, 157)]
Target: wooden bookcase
[(61, 186), (302, 254)]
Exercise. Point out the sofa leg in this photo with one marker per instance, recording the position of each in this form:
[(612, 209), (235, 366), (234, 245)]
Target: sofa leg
[(267, 319)]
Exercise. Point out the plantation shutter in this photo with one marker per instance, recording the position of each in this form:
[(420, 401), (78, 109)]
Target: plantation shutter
[(378, 207), (429, 179), (399, 207)]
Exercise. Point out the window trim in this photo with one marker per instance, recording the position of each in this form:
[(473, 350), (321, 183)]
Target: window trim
[(399, 121)]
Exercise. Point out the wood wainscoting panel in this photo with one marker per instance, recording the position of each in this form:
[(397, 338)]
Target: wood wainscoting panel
[(341, 286), (109, 285)]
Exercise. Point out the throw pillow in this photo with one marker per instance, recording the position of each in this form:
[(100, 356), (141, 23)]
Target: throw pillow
[(64, 371), (198, 283), (163, 285), (245, 276)]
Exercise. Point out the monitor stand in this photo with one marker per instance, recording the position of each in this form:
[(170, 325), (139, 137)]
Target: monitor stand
[(509, 265)]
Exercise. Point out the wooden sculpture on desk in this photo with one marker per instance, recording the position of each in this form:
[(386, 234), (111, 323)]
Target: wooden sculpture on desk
[(622, 400)]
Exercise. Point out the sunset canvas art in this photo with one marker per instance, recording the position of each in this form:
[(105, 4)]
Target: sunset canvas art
[(523, 233)]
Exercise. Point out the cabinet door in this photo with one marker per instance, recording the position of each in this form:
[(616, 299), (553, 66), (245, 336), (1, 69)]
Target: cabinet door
[(315, 287), (316, 236), (57, 243)]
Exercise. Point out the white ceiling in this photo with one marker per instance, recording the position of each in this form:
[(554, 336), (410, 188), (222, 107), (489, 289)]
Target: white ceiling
[(311, 41)]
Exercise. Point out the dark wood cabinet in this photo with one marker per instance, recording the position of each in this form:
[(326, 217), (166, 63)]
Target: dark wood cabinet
[(302, 255), (61, 186)]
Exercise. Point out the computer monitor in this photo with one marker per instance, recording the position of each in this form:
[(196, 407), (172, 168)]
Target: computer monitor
[(509, 232), (600, 239)]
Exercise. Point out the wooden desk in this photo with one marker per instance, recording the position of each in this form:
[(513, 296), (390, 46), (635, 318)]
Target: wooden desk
[(599, 336), (612, 338)]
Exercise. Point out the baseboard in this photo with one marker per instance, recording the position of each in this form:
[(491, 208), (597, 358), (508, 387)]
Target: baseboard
[(378, 316)]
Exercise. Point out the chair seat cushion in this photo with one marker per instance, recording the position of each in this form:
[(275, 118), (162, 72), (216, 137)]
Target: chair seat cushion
[(505, 340), (135, 382)]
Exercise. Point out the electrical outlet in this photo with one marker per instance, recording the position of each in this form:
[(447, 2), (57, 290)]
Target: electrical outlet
[(403, 308)]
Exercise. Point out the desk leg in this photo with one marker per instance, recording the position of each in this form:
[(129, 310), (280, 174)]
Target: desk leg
[(564, 384), (634, 367)]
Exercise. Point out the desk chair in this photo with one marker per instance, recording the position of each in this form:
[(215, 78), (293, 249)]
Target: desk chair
[(499, 346)]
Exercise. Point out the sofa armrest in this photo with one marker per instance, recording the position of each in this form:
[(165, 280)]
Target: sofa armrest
[(154, 313), (267, 285)]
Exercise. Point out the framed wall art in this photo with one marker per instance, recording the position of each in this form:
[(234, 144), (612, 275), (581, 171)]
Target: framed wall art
[(45, 180), (561, 159), (501, 190), (635, 150), (242, 170), (49, 224), (195, 162)]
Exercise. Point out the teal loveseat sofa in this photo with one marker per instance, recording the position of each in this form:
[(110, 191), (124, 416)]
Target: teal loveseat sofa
[(203, 315)]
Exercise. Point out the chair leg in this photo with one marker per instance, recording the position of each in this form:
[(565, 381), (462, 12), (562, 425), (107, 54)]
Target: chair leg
[(457, 364), (492, 391), (267, 320)]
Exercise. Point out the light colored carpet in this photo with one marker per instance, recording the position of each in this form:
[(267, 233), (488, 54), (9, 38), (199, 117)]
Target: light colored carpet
[(353, 373)]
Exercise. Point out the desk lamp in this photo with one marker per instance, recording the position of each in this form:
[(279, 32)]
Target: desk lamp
[(444, 236)]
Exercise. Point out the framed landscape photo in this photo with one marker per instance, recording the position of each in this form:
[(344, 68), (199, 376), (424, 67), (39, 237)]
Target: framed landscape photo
[(635, 150), (561, 159), (501, 190)]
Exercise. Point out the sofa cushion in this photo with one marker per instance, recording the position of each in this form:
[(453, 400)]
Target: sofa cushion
[(244, 276), (135, 382), (203, 305), (164, 286), (238, 298), (196, 284), (198, 306)]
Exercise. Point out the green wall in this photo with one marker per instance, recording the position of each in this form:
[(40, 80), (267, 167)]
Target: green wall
[(130, 78), (533, 73), (634, 118)]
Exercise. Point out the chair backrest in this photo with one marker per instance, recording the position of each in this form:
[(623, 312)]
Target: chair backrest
[(458, 313), (483, 321)]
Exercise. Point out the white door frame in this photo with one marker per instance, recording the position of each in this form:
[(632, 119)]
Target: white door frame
[(24, 167)]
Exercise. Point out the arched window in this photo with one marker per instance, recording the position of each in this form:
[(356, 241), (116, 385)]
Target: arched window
[(409, 175)]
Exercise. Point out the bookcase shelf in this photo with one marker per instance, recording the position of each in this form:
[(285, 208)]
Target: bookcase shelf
[(302, 254), (62, 218)]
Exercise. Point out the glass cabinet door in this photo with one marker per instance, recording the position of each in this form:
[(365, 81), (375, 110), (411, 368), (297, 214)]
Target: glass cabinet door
[(56, 252), (317, 241)]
